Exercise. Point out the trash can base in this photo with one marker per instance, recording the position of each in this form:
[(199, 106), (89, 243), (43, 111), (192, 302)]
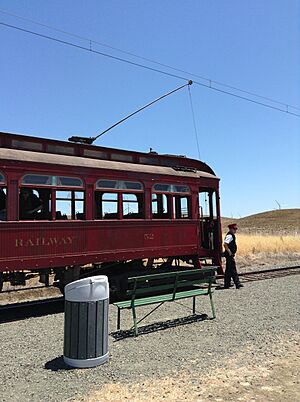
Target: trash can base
[(86, 363)]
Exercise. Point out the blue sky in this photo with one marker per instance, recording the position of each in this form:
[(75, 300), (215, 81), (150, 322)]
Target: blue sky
[(54, 91)]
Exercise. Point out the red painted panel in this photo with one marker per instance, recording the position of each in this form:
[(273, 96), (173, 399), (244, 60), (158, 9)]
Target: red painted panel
[(42, 244)]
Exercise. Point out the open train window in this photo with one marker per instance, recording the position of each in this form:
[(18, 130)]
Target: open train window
[(119, 199), (160, 206), (69, 204), (40, 193), (181, 205), (207, 204), (34, 204), (3, 198), (208, 219), (132, 206), (107, 206), (166, 195)]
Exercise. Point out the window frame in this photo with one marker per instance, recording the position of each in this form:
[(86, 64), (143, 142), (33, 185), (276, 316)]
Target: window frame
[(119, 191), (212, 204), (53, 189), (171, 194)]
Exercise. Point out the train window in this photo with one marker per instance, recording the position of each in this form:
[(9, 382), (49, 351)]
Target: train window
[(214, 205), (44, 180), (34, 204), (171, 188), (95, 154), (148, 160), (207, 204), (204, 204), (2, 179), (107, 205), (208, 214), (181, 207), (130, 185), (69, 181), (132, 206), (180, 189), (60, 149), (37, 179), (119, 185), (109, 184), (121, 157), (162, 187), (3, 197), (69, 204), (34, 146), (160, 209)]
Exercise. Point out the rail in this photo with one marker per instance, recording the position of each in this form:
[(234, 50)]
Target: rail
[(38, 308)]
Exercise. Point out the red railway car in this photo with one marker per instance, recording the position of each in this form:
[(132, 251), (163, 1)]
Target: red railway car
[(71, 208)]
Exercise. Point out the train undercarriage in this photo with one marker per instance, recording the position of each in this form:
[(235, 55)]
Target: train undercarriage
[(117, 273)]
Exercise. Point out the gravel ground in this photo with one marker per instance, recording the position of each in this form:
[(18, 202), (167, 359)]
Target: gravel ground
[(256, 329)]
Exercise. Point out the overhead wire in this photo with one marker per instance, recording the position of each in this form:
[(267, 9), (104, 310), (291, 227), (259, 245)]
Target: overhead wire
[(194, 122), (91, 50), (92, 41)]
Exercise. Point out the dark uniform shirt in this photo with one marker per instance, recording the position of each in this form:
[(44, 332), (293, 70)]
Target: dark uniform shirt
[(231, 243)]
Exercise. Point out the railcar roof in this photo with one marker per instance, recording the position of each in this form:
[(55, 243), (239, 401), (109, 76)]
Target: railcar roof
[(48, 146), (64, 160)]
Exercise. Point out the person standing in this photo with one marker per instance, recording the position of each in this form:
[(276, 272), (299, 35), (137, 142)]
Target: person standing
[(230, 251)]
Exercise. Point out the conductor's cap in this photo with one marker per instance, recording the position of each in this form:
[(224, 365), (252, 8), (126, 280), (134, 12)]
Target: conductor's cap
[(232, 226)]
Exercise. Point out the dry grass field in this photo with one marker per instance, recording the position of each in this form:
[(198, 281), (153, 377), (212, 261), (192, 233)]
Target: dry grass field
[(271, 244), (267, 238)]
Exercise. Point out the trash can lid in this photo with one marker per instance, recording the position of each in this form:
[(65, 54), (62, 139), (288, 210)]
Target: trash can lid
[(93, 288)]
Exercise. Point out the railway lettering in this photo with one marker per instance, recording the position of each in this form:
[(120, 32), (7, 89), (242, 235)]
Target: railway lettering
[(44, 241)]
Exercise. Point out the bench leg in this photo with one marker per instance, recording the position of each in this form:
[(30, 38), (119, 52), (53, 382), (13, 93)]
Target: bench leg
[(194, 305), (134, 321), (119, 319), (212, 305)]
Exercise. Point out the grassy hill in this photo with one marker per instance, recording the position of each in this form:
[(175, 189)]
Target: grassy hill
[(282, 222)]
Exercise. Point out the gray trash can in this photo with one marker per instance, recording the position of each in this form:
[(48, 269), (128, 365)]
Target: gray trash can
[(86, 322)]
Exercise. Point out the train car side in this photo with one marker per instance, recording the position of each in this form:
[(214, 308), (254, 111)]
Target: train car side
[(126, 212)]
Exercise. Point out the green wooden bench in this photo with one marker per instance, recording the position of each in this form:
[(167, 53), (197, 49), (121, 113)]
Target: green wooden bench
[(166, 287)]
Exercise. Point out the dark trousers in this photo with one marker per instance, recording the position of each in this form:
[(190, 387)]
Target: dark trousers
[(230, 272)]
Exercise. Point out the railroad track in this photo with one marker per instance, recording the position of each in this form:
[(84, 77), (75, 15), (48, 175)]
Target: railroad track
[(13, 289), (37, 308), (269, 274)]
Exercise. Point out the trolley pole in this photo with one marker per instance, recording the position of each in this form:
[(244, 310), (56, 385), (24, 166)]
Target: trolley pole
[(90, 140)]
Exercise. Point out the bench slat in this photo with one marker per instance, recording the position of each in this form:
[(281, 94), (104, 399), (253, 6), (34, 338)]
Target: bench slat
[(171, 274), (158, 288), (157, 299)]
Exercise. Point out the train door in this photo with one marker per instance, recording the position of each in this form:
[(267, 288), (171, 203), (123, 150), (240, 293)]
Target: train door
[(208, 219)]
